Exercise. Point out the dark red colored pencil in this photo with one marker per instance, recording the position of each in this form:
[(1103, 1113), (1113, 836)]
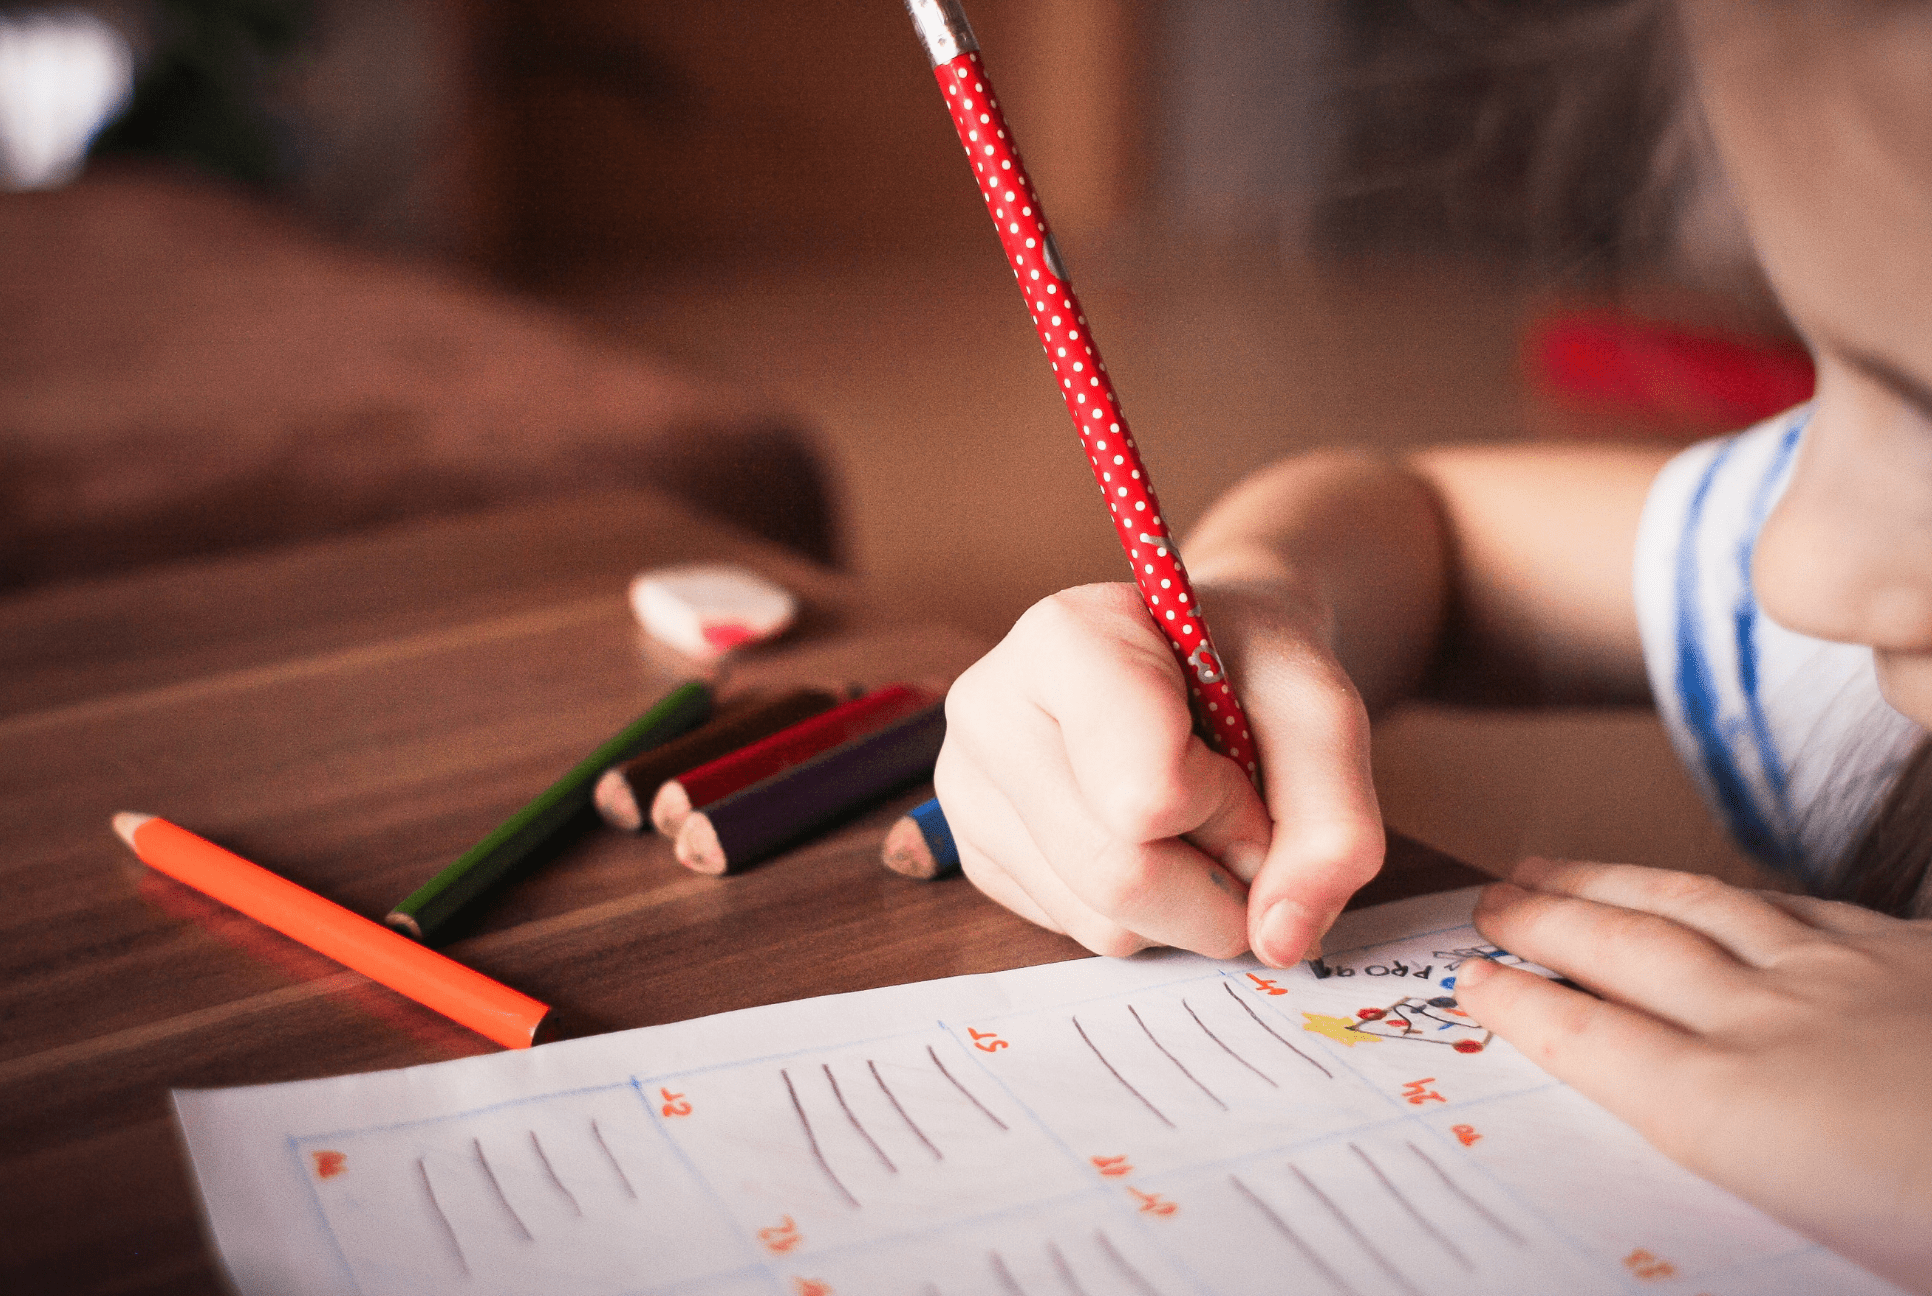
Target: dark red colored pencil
[(717, 779)]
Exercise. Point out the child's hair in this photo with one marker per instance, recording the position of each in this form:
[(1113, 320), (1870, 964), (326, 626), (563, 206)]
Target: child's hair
[(1566, 128), (1887, 868), (1570, 130)]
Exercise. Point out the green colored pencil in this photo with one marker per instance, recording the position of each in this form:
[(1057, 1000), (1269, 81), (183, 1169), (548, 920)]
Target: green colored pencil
[(431, 906)]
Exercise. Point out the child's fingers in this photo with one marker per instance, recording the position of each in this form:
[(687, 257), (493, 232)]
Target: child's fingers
[(1312, 736), (1740, 921), (1121, 706), (1621, 1058), (1833, 916), (1164, 890), (992, 880), (1633, 957), (1112, 897)]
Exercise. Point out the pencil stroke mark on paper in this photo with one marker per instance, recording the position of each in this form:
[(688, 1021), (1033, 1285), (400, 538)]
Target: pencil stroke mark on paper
[(1281, 1227), (812, 1138), (436, 1209), (1402, 1198), (1178, 1065), (1008, 1283), (497, 1188), (1116, 1075), (964, 1091), (1224, 1046), (893, 1098), (1065, 1270), (1473, 1204), (611, 1157), (1361, 1239), (846, 1107), (1134, 1277), (551, 1170), (1246, 1008)]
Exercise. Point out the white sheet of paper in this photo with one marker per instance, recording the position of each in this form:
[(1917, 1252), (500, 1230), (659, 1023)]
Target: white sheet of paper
[(1164, 1124)]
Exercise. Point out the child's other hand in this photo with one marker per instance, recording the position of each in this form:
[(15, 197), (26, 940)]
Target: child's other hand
[(1777, 1045), (1081, 799)]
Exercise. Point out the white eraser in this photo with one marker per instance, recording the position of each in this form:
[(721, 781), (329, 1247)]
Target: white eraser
[(707, 610)]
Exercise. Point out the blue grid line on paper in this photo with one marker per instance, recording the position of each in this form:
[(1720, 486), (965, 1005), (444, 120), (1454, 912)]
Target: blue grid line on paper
[(441, 1117), (690, 1168), (766, 1059), (1110, 1202), (321, 1214)]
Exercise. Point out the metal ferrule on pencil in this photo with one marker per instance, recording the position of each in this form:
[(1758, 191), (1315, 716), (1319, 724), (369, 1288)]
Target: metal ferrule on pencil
[(943, 29)]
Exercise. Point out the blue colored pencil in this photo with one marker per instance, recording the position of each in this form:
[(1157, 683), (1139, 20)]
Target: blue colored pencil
[(921, 844)]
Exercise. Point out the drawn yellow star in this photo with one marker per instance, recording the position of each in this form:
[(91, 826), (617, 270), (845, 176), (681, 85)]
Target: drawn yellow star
[(1341, 1029)]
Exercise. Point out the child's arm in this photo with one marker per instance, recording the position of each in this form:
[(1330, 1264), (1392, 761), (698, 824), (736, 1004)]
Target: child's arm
[(1777, 1045), (1070, 773)]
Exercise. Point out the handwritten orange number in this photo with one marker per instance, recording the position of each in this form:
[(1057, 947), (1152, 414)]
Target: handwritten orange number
[(1152, 1202), (1265, 985), (1466, 1133), (986, 1041), (329, 1164), (1418, 1092), (1112, 1167), (674, 1104), (1648, 1267), (781, 1238)]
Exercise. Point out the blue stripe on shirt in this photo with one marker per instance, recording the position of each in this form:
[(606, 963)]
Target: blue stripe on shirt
[(1745, 621), (1697, 688)]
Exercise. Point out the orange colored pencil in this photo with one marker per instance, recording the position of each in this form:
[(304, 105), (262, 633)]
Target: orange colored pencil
[(461, 994)]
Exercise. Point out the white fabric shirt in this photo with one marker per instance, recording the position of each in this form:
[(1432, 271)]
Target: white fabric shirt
[(1787, 736)]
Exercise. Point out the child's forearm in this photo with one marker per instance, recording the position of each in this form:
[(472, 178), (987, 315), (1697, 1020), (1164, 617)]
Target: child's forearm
[(1355, 542), (1505, 569)]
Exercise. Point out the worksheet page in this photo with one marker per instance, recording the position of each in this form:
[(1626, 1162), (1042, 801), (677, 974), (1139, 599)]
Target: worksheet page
[(1162, 1124)]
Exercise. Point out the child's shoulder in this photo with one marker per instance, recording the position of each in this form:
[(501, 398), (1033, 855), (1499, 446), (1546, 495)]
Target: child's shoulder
[(1788, 736)]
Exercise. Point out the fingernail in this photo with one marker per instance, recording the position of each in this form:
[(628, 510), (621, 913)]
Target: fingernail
[(1282, 935), (1314, 950), (1473, 972), (1244, 859)]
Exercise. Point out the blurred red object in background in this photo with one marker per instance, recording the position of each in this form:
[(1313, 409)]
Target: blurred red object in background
[(1608, 361)]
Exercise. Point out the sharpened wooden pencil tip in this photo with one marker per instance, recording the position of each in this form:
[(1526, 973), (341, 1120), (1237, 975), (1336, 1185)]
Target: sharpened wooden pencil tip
[(616, 802), (670, 808), (127, 823), (698, 848), (907, 853)]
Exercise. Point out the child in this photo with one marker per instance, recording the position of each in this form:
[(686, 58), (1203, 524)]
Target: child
[(1781, 614)]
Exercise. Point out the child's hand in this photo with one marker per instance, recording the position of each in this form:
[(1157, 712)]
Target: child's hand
[(1777, 1045), (1082, 800)]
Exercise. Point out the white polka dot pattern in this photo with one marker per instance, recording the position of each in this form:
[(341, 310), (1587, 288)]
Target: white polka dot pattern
[(1089, 395)]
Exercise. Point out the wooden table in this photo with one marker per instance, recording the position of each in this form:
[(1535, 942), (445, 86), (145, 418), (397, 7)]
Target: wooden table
[(354, 713)]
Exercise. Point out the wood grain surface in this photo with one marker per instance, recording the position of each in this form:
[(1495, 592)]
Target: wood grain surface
[(353, 714)]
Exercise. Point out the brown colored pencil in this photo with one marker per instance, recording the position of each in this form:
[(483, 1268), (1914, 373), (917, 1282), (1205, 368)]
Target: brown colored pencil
[(625, 791)]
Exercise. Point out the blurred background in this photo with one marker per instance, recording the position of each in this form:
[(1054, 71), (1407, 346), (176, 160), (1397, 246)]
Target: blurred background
[(272, 269)]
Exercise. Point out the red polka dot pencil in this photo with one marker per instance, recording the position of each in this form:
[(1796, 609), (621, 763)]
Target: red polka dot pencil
[(1014, 206)]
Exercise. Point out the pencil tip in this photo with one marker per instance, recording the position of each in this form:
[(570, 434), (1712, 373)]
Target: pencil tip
[(127, 823), (906, 851), (616, 802)]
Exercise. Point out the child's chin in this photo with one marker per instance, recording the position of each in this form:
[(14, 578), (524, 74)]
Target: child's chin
[(1906, 681)]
